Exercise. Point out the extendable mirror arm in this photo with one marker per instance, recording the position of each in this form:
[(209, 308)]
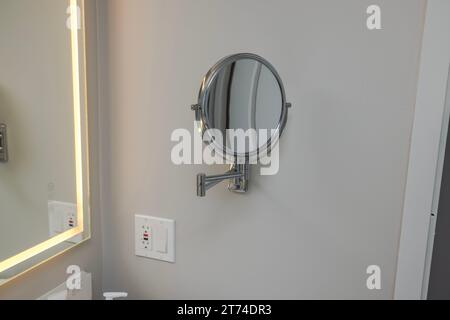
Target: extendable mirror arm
[(239, 174)]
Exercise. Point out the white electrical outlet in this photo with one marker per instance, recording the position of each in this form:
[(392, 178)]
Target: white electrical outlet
[(144, 236), (155, 238), (62, 216)]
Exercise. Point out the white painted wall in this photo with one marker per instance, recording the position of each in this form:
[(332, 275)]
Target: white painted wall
[(426, 156), (335, 206)]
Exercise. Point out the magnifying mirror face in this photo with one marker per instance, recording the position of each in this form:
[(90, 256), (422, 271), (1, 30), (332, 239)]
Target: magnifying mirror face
[(245, 94)]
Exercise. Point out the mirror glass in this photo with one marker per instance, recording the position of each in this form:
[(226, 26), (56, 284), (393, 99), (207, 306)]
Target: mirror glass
[(243, 93), (42, 172)]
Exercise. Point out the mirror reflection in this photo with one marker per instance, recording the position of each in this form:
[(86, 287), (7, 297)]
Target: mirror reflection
[(38, 185), (245, 94)]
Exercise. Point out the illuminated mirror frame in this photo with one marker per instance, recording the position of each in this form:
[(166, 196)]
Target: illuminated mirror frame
[(44, 251)]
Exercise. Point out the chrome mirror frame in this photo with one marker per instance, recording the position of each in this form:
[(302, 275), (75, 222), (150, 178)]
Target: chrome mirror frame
[(201, 108), (239, 173)]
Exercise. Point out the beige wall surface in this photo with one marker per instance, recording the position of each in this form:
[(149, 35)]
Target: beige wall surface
[(308, 232), (335, 206), (87, 255)]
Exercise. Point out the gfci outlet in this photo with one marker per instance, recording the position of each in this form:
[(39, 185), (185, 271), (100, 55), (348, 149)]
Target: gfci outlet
[(62, 216), (155, 238)]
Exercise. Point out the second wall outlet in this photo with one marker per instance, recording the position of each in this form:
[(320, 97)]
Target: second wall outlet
[(62, 217), (155, 238)]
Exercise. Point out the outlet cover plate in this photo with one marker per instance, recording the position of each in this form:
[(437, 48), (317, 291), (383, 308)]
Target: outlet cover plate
[(62, 216), (151, 235)]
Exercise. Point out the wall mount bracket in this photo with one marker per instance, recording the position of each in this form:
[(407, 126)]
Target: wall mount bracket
[(239, 176)]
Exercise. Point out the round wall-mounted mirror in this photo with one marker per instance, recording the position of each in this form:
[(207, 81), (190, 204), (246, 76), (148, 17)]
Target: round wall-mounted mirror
[(242, 91), (242, 111)]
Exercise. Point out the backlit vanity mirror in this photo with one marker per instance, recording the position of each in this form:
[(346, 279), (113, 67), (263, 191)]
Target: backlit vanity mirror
[(44, 206), (241, 113)]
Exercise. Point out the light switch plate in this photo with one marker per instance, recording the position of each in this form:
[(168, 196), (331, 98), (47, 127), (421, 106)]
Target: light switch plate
[(155, 238)]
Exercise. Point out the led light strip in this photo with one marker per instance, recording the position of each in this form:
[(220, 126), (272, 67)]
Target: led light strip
[(43, 246), (77, 110)]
